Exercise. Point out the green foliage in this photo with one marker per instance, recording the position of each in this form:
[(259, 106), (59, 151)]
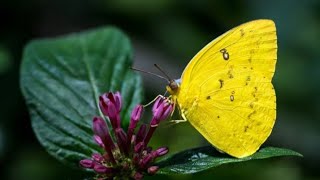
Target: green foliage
[(203, 158), (61, 80)]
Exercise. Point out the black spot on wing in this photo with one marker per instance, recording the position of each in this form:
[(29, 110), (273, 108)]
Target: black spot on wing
[(241, 32), (225, 54), (251, 105), (230, 72), (221, 83), (232, 98), (248, 79), (246, 128), (251, 114)]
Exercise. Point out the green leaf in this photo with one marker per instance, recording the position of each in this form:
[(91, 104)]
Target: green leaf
[(203, 158), (61, 79)]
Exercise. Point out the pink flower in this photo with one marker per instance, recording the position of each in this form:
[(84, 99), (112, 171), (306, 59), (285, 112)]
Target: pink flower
[(126, 155)]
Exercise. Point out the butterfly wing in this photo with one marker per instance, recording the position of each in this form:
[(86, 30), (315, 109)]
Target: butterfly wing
[(226, 91)]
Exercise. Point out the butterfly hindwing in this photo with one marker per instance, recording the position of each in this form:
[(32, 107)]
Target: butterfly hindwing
[(226, 91)]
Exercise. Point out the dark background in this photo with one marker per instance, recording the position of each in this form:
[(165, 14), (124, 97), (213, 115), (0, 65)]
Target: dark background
[(169, 33)]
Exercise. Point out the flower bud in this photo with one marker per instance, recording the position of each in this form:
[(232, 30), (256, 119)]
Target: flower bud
[(112, 111), (135, 116), (116, 98), (103, 103), (167, 112), (141, 133), (139, 147), (98, 140), (162, 108), (110, 105), (100, 169), (122, 140), (153, 170), (137, 176), (162, 151), (134, 119), (87, 163), (157, 104), (97, 157), (100, 128), (145, 161)]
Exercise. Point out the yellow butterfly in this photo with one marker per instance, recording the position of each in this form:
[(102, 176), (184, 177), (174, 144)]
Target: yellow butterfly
[(225, 91)]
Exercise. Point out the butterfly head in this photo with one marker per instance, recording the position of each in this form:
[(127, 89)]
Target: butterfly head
[(173, 86)]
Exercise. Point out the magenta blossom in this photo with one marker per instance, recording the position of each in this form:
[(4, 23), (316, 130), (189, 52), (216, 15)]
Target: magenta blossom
[(126, 154)]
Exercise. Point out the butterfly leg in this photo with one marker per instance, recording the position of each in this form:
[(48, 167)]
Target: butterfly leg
[(184, 119), (178, 121), (153, 100)]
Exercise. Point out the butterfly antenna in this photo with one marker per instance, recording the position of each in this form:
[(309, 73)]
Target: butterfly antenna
[(162, 71), (147, 72)]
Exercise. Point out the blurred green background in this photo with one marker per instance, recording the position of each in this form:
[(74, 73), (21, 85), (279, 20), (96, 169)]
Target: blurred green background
[(169, 33)]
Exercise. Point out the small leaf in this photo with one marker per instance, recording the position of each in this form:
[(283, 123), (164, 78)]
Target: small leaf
[(203, 158), (61, 79)]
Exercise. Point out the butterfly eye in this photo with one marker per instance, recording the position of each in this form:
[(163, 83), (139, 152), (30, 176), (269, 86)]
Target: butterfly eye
[(173, 85)]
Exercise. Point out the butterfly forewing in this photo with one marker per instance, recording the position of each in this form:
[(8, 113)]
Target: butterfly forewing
[(226, 91)]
